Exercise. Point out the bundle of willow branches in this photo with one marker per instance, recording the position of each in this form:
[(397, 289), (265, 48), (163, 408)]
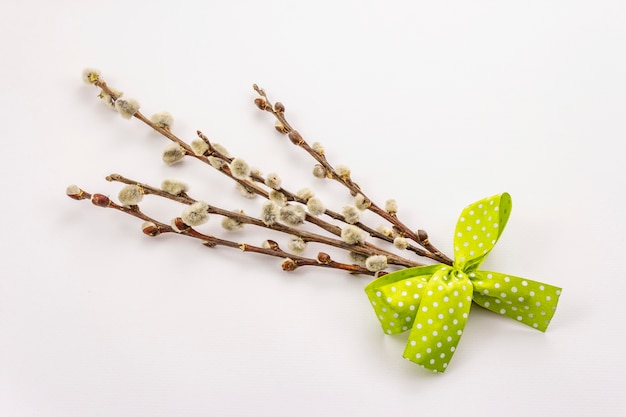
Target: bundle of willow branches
[(300, 215)]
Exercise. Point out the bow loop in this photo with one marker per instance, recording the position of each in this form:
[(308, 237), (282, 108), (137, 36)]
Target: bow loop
[(397, 296), (478, 229), (530, 302)]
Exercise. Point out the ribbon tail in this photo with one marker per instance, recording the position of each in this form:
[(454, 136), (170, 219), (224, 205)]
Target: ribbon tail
[(440, 320), (530, 302)]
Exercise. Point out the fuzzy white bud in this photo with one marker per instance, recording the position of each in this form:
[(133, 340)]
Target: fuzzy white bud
[(292, 215), (269, 212), (315, 206), (351, 214), (361, 202), (245, 191), (216, 162), (221, 149), (343, 171), (319, 171), (400, 242), (174, 187), (273, 181), (126, 107), (109, 100), (199, 146), (162, 120), (383, 230), (278, 197), (376, 263), (130, 195), (195, 214), (305, 194), (240, 169), (91, 75), (318, 148), (173, 153), (231, 224), (391, 206), (72, 190), (296, 244), (358, 258), (352, 235)]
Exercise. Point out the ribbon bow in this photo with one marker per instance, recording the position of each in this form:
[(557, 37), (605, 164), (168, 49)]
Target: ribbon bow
[(434, 301)]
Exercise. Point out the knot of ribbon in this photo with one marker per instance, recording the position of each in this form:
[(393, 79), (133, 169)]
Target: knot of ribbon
[(433, 301)]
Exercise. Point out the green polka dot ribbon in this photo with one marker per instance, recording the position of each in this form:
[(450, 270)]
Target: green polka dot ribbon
[(433, 301)]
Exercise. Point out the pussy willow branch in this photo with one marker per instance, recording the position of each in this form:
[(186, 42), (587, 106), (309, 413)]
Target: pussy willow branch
[(290, 261), (364, 248), (421, 238)]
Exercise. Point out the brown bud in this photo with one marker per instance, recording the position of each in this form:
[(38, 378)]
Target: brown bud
[(280, 128), (261, 103), (296, 138), (324, 258), (289, 265), (100, 200), (151, 230), (423, 237), (279, 107), (272, 245), (180, 224)]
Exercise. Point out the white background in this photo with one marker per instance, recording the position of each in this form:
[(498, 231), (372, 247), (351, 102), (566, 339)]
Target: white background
[(436, 104)]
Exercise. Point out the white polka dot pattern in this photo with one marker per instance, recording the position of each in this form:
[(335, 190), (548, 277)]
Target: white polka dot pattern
[(433, 302), (530, 302), (440, 322), (478, 229), (396, 297)]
